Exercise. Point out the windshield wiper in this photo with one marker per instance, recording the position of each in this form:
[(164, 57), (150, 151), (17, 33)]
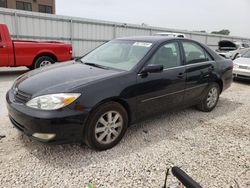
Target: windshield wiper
[(92, 64), (95, 65)]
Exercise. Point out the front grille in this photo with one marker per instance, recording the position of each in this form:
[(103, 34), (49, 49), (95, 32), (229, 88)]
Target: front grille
[(21, 97), (244, 67), (243, 76)]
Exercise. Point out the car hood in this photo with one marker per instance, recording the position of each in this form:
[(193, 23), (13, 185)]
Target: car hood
[(242, 61), (61, 77), (226, 45)]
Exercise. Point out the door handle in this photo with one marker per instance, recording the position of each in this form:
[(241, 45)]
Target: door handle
[(2, 46), (180, 75)]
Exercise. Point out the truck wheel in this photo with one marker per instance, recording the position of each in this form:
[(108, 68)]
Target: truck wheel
[(106, 126), (30, 67), (43, 61)]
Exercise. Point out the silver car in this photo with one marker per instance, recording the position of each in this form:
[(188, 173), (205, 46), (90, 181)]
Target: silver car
[(242, 66), (180, 35)]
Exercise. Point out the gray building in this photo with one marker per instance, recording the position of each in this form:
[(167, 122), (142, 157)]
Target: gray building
[(44, 6)]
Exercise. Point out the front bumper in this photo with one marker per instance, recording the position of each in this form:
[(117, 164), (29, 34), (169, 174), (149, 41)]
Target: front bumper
[(66, 124), (241, 73)]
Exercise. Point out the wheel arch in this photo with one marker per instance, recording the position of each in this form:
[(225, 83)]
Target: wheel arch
[(48, 54), (220, 83), (118, 100), (122, 102)]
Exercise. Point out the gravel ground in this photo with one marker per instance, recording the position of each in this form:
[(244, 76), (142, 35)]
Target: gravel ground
[(214, 148)]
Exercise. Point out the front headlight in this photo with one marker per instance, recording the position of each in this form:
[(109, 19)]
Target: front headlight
[(236, 66), (52, 101)]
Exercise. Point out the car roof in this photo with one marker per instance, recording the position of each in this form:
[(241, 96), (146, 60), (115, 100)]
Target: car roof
[(169, 33), (152, 39), (162, 39)]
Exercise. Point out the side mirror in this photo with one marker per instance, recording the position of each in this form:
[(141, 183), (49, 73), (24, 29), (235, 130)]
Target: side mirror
[(152, 68)]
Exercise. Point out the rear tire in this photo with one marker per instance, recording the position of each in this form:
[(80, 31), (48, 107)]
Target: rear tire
[(106, 126), (211, 98), (43, 61)]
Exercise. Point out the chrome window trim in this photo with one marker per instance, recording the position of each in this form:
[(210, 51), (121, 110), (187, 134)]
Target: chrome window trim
[(201, 63), (188, 65), (181, 66)]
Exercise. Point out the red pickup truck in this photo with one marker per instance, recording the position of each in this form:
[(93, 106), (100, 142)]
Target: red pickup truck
[(32, 54)]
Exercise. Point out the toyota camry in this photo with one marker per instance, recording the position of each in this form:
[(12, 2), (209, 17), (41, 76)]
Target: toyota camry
[(94, 99)]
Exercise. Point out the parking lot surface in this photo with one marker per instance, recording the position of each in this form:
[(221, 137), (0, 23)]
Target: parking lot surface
[(213, 148)]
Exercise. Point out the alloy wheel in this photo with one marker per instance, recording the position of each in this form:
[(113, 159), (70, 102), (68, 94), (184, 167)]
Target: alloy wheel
[(108, 127), (45, 63), (212, 97)]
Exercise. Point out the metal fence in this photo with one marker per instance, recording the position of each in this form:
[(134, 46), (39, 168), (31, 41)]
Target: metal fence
[(86, 34)]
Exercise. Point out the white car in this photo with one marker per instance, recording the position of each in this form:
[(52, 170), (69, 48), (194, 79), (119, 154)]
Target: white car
[(181, 35), (242, 66), (231, 50)]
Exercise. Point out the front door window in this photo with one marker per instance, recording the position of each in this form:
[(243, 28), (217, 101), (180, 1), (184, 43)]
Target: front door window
[(167, 55)]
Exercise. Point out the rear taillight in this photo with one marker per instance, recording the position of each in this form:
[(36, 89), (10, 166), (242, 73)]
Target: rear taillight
[(70, 50)]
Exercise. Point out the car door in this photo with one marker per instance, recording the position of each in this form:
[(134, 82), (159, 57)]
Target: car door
[(199, 69), (164, 90)]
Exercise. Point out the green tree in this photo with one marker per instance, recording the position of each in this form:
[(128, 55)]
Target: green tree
[(222, 32)]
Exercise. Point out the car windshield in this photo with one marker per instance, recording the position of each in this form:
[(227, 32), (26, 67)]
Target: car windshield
[(246, 54), (118, 54)]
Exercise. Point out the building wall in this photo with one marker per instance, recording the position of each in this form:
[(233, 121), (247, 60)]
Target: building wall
[(86, 34), (35, 4)]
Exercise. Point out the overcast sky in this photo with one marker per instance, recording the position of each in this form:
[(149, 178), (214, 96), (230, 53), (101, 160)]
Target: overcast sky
[(209, 15)]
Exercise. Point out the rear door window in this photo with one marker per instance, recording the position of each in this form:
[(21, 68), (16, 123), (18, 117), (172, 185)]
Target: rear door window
[(194, 53), (167, 55)]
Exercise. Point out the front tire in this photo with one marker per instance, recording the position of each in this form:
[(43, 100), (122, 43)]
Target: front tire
[(211, 98), (106, 126)]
